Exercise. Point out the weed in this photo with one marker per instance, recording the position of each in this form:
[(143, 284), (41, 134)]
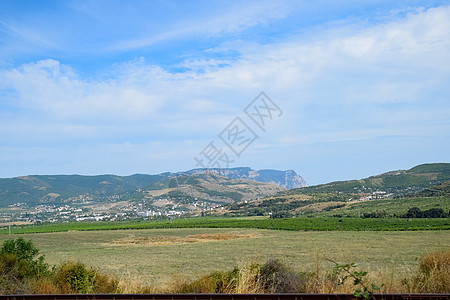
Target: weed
[(364, 291)]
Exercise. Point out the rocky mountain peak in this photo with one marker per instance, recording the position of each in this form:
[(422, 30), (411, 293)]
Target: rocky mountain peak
[(288, 179)]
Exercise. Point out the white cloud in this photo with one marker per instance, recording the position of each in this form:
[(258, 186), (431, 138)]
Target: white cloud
[(52, 89), (391, 61), (344, 85)]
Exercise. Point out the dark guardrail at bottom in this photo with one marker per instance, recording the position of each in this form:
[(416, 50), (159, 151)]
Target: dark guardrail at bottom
[(223, 297)]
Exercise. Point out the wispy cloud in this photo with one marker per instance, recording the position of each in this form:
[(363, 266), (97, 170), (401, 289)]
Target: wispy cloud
[(231, 20), (28, 35)]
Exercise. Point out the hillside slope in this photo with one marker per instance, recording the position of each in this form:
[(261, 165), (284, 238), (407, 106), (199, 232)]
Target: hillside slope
[(389, 194), (240, 184), (442, 189), (38, 189), (398, 183), (211, 188)]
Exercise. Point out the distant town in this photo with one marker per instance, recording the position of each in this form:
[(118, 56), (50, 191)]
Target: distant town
[(22, 214)]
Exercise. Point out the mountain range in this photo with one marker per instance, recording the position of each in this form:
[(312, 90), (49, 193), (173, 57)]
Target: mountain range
[(226, 186), (207, 187), (288, 179), (212, 185)]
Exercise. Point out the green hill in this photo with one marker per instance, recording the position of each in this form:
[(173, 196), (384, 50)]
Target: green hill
[(398, 183), (390, 194), (57, 189)]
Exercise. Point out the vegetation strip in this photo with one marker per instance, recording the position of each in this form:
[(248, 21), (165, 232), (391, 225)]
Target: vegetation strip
[(293, 224), (225, 296)]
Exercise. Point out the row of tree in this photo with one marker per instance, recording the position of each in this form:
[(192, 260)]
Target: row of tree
[(415, 212)]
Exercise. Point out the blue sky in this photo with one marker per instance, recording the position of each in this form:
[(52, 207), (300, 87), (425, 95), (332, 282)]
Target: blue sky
[(124, 87)]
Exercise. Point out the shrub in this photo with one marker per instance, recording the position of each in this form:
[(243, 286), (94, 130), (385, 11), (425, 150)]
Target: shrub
[(26, 254), (12, 275), (19, 266), (22, 271), (281, 214), (76, 278), (272, 277), (216, 282), (277, 278)]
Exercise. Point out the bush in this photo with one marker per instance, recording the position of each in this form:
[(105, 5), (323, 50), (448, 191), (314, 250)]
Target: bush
[(281, 214), (22, 271), (19, 266), (277, 278), (13, 275), (26, 254), (76, 278), (216, 282), (272, 277)]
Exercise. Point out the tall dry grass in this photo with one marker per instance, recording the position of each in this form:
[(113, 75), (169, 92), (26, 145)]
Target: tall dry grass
[(271, 277), (432, 275), (249, 280)]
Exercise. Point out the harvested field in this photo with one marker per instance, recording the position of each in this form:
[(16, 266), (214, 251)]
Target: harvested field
[(197, 238)]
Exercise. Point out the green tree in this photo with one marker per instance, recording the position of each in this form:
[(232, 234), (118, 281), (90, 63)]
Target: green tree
[(413, 212)]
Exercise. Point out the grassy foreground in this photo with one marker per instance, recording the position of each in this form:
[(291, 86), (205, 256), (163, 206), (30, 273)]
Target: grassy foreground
[(178, 255), (160, 258), (292, 224)]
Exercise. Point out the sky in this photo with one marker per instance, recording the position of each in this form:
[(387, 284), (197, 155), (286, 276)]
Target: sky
[(334, 90)]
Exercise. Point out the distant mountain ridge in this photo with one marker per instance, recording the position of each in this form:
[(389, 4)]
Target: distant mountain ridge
[(58, 189), (288, 179), (209, 187)]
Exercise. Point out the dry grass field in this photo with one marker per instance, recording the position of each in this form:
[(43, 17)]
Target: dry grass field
[(158, 257)]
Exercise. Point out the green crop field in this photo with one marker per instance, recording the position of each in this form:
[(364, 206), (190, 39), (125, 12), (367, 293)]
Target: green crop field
[(294, 224), (160, 256)]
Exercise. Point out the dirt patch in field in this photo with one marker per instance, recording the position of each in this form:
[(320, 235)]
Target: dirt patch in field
[(197, 238)]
